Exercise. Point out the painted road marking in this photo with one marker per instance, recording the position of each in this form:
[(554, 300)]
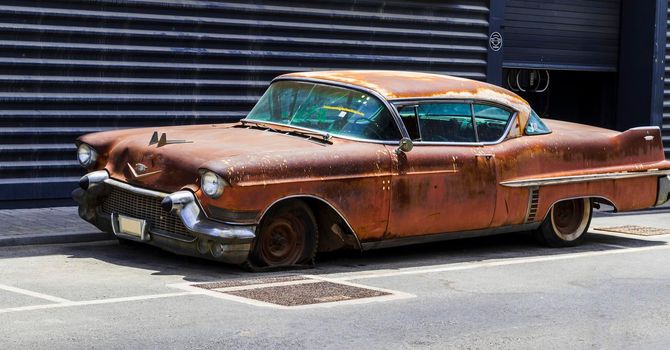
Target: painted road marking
[(95, 302), (343, 278), (390, 294), (34, 294), (475, 265)]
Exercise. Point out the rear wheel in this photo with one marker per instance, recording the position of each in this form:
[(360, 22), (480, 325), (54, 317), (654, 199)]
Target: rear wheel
[(566, 223), (287, 236)]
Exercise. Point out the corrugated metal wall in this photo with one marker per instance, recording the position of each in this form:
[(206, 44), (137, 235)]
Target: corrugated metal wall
[(665, 127), (69, 68), (562, 34)]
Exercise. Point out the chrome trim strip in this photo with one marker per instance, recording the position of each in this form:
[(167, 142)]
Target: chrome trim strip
[(438, 237), (137, 190), (582, 178)]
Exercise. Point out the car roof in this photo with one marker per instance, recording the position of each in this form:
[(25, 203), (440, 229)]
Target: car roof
[(398, 85)]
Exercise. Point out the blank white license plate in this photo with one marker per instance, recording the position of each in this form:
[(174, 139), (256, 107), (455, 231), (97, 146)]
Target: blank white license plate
[(131, 226)]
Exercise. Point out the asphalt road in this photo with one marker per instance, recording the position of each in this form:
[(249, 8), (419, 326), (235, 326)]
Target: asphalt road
[(494, 292)]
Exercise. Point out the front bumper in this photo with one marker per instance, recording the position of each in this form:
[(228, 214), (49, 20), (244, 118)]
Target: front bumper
[(205, 238)]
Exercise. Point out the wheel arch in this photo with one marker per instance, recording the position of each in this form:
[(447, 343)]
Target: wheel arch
[(326, 215), (594, 199)]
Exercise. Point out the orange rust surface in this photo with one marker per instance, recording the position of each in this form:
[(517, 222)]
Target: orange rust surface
[(380, 193)]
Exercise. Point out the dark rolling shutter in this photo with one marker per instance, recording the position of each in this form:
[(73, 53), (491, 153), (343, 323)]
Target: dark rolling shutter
[(565, 34), (665, 127), (69, 68)]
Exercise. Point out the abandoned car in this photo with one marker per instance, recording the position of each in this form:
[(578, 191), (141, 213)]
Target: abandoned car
[(363, 159)]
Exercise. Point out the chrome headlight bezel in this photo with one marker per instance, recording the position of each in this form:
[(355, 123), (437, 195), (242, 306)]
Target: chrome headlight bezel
[(86, 155), (211, 184)]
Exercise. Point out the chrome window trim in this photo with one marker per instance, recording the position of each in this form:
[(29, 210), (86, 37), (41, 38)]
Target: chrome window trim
[(410, 101)]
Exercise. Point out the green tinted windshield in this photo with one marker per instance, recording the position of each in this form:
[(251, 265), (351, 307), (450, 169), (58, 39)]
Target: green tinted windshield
[(332, 109)]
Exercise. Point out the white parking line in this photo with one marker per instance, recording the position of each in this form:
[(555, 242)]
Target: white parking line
[(95, 302), (475, 265), (34, 294)]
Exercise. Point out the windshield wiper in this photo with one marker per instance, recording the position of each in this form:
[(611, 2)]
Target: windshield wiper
[(309, 133), (324, 135), (259, 124)]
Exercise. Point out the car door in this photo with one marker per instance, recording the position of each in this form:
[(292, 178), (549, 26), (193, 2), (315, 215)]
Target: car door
[(447, 182)]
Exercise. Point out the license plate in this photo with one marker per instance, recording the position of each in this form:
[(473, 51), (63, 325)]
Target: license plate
[(131, 226)]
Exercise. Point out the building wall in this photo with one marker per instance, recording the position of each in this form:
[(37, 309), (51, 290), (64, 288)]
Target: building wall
[(69, 68)]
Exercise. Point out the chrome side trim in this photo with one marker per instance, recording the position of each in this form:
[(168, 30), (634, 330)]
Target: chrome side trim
[(663, 190), (396, 242), (582, 178)]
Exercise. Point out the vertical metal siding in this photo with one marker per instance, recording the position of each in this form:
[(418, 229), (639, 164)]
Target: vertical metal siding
[(69, 68), (665, 126), (565, 34)]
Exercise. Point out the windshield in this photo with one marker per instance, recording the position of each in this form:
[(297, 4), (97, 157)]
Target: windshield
[(331, 109)]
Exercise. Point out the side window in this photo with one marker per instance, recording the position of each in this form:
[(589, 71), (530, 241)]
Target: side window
[(491, 122), (536, 126), (446, 122)]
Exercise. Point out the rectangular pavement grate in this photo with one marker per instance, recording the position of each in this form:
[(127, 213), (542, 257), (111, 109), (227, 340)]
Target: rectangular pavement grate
[(250, 282), (635, 230), (307, 294)]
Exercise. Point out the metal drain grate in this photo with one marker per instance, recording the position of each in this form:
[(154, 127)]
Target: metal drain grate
[(636, 230), (250, 282), (307, 293), (292, 290)]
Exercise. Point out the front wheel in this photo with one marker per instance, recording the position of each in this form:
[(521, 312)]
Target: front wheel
[(287, 236), (566, 223)]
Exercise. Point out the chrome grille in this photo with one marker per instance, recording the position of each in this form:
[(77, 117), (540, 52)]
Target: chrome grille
[(144, 207)]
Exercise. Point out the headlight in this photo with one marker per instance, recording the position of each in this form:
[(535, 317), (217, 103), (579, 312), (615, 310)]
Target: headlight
[(86, 155), (212, 184)]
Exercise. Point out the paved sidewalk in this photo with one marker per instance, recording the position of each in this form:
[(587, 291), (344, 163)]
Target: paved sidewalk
[(46, 226)]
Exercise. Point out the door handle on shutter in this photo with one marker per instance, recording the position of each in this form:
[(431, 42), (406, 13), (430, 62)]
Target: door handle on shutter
[(486, 155)]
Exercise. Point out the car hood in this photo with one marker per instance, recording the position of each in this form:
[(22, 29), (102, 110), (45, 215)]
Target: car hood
[(130, 156)]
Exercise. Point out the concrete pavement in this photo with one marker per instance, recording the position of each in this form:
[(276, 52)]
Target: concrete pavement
[(493, 292), (46, 226)]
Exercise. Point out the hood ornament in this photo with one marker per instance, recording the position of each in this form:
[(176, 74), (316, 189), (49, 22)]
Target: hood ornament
[(138, 171), (162, 140)]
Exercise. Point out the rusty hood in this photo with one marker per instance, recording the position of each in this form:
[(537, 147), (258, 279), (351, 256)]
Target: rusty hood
[(131, 156)]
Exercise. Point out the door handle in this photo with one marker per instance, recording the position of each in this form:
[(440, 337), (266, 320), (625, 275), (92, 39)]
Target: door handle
[(486, 155)]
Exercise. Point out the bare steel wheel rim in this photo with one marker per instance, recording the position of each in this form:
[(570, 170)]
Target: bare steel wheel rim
[(569, 218), (283, 240)]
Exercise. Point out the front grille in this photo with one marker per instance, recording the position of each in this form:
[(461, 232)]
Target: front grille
[(144, 207)]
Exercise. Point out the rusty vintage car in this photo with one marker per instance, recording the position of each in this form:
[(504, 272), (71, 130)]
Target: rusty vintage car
[(364, 159)]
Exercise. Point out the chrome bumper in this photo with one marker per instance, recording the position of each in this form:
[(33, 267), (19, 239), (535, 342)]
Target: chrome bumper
[(211, 239), (663, 190)]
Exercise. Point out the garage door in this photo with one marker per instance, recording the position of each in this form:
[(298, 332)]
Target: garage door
[(562, 34), (69, 68)]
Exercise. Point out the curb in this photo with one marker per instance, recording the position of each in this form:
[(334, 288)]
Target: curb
[(55, 238)]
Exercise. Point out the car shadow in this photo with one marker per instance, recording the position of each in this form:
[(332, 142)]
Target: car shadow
[(507, 246)]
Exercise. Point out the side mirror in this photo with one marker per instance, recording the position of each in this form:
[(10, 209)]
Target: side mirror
[(405, 145)]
